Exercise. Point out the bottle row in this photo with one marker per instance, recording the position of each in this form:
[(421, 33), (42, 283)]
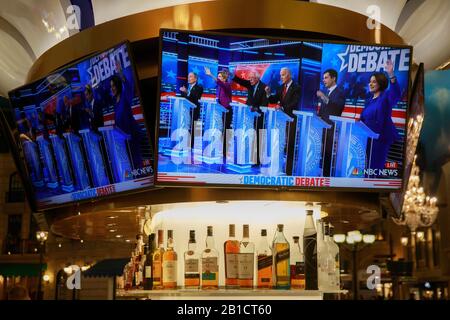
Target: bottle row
[(278, 265)]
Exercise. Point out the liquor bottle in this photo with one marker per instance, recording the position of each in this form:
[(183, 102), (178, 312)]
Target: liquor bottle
[(169, 264), (140, 269), (334, 250), (148, 272), (310, 251), (246, 260), (330, 260), (210, 263), (297, 266), (128, 274), (136, 274), (265, 261), (157, 262), (231, 251), (322, 257), (191, 264), (281, 254)]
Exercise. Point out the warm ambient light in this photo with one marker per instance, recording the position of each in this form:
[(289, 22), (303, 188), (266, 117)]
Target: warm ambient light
[(339, 238), (41, 236), (369, 238), (420, 235), (46, 278), (68, 270), (84, 268), (404, 241)]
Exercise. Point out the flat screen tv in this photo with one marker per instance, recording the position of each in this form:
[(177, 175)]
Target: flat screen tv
[(243, 111), (80, 132)]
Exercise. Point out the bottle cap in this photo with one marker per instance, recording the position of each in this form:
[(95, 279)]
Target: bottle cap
[(280, 227), (295, 239), (210, 231), (263, 232)]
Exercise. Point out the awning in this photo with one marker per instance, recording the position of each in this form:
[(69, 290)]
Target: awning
[(107, 268), (21, 269)]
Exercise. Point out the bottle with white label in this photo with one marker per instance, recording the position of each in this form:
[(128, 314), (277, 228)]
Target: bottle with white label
[(148, 272), (192, 264), (246, 260), (169, 264), (210, 263)]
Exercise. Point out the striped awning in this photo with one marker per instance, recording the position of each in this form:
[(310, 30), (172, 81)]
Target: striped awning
[(21, 269)]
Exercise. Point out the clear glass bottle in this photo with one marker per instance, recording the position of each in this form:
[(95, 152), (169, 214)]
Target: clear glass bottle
[(246, 260), (265, 262), (310, 252), (157, 262), (192, 264), (170, 263), (231, 252), (281, 255), (322, 257), (335, 253), (297, 266), (210, 263), (331, 263)]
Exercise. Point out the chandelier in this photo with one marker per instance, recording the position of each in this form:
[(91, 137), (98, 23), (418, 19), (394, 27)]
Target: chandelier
[(419, 210)]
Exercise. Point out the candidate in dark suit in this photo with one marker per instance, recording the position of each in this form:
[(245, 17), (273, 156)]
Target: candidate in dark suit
[(92, 113), (193, 93), (256, 98), (287, 97), (71, 116), (377, 115), (332, 103)]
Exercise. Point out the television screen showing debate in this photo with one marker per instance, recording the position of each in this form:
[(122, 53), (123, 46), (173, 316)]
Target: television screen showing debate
[(81, 132), (254, 111)]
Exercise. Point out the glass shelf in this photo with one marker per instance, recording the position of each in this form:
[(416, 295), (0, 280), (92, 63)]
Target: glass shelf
[(223, 294)]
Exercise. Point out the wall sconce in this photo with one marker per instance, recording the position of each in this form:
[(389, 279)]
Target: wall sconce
[(404, 241)]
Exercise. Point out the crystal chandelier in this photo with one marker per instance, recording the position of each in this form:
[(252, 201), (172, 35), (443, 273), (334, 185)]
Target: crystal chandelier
[(419, 210)]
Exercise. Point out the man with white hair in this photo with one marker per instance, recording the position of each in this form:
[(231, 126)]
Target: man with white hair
[(256, 96), (287, 97)]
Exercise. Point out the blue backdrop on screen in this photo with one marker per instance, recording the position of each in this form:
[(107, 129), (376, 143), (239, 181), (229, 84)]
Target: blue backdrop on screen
[(356, 63), (82, 131), (288, 135)]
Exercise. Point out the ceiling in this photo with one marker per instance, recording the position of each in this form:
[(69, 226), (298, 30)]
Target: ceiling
[(28, 27)]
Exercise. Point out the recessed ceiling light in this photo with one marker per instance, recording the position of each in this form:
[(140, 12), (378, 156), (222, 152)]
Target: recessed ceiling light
[(128, 240), (119, 236), (345, 221), (112, 230), (113, 217)]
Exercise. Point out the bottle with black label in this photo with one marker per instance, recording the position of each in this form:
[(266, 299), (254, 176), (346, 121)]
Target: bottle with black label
[(265, 262), (281, 255), (192, 264), (310, 251), (148, 272)]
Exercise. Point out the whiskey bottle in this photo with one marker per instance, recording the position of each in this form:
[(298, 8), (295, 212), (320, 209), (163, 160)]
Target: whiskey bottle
[(169, 264), (246, 260), (210, 263), (297, 266), (157, 262), (231, 251), (265, 261), (148, 272), (334, 248), (281, 255), (191, 264), (310, 251)]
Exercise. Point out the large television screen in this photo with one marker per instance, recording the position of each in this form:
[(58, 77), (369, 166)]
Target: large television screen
[(237, 110), (80, 132)]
